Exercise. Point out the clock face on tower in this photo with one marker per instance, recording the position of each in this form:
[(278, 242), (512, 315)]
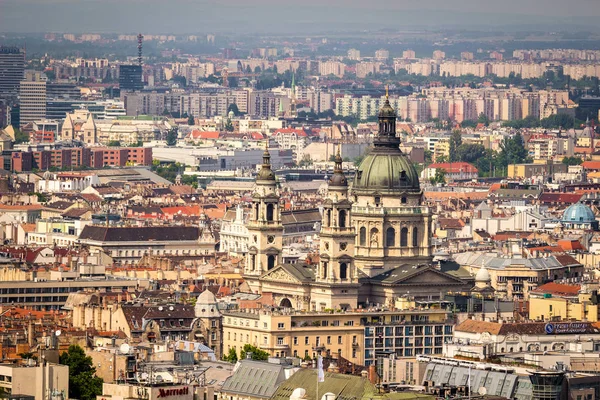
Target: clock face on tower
[(270, 239)]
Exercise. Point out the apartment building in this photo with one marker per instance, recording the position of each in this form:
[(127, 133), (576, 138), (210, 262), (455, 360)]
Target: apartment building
[(40, 381), (32, 93), (358, 336), (80, 157)]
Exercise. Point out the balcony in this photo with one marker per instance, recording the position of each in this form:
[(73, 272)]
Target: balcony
[(318, 347), (393, 211)]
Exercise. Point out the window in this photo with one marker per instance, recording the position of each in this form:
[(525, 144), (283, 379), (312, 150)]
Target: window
[(270, 262), (343, 271), (377, 200), (295, 339), (339, 340), (234, 337), (305, 339), (415, 237), (318, 341), (280, 341), (270, 212), (403, 200), (363, 236), (342, 219), (328, 339), (404, 237), (390, 237), (280, 325)]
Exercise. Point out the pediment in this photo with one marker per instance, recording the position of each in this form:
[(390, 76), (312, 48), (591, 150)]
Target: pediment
[(430, 277), (279, 274), (422, 276)]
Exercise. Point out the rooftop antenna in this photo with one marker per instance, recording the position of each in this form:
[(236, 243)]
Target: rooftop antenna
[(140, 40)]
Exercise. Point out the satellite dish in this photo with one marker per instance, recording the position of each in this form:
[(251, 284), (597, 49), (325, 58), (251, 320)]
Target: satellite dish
[(482, 391), (160, 308), (171, 308), (58, 332), (124, 348)]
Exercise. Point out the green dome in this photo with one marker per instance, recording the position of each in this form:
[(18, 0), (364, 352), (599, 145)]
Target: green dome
[(385, 171), (387, 111)]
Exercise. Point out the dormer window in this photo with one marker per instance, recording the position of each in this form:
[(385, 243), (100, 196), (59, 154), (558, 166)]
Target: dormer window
[(359, 174), (377, 200), (403, 175)]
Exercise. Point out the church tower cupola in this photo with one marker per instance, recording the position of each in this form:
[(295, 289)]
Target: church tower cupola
[(264, 226)]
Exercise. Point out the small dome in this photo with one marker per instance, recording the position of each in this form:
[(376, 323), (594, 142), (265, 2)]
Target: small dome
[(483, 276), (387, 171), (265, 174), (579, 213), (387, 110), (206, 297)]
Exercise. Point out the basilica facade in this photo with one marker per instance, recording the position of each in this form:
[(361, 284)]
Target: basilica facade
[(375, 239)]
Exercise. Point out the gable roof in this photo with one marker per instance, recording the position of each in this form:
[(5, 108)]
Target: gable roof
[(344, 387), (407, 273), (254, 379)]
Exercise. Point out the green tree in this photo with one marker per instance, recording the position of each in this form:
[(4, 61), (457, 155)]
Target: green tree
[(172, 137), (233, 108), (83, 382), (114, 143), (455, 142), (228, 126), (483, 119), (440, 176), (469, 152), (231, 356), (21, 137), (572, 161), (257, 354), (512, 151)]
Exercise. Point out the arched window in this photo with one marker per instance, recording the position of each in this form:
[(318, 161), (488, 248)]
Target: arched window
[(324, 270), (403, 200), (343, 271), (270, 262), (362, 236), (342, 219), (270, 209), (404, 237), (328, 218), (415, 237), (256, 212), (390, 237)]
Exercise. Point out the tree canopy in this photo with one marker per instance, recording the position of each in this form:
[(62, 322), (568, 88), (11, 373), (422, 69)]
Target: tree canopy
[(257, 354), (83, 382)]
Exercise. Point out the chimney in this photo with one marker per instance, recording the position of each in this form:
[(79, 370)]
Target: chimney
[(372, 374)]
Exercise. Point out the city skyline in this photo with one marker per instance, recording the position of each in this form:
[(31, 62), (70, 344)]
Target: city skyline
[(261, 16)]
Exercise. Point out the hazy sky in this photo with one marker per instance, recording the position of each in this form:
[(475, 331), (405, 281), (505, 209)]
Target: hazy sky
[(290, 16)]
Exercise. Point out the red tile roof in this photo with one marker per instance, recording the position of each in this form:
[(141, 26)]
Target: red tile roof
[(570, 245), (558, 289), (289, 131), (454, 167)]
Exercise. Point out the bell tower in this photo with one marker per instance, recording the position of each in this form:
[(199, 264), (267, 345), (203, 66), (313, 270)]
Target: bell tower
[(336, 278), (264, 226)]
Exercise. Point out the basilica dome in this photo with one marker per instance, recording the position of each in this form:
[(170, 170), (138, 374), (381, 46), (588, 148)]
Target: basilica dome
[(386, 168), (388, 172)]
